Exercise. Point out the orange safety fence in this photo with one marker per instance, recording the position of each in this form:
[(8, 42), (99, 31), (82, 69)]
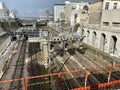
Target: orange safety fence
[(58, 79), (98, 86)]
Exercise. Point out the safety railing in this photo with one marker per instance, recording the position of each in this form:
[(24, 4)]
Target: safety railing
[(55, 79)]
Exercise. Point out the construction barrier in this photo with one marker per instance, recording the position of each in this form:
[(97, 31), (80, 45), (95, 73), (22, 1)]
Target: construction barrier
[(57, 79)]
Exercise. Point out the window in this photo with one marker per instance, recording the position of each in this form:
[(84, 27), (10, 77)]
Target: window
[(76, 16), (74, 7), (106, 23), (115, 6), (106, 5), (116, 24)]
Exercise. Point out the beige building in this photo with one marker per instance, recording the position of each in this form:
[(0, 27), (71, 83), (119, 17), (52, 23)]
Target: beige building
[(74, 12), (79, 17), (83, 19), (69, 8), (103, 30), (95, 12), (111, 14)]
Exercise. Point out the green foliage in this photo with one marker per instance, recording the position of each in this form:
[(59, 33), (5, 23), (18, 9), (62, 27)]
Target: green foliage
[(86, 8), (13, 25), (76, 27), (57, 21), (6, 26), (62, 21)]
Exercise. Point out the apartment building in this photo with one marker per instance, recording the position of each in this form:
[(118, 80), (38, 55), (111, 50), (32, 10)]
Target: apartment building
[(58, 9), (95, 12), (111, 14), (4, 12), (73, 12), (106, 35)]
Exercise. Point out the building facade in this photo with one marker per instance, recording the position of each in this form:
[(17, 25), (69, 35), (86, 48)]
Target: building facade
[(111, 14), (95, 12), (80, 15), (106, 35), (58, 9), (69, 8), (4, 12), (12, 16), (73, 12)]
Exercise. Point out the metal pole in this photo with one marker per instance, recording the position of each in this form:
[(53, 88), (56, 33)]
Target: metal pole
[(25, 84), (58, 79), (86, 77), (110, 72)]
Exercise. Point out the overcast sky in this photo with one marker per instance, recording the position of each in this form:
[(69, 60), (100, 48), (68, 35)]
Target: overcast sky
[(33, 6)]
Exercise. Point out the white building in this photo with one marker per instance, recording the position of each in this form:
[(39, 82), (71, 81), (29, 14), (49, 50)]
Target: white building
[(4, 12), (77, 11), (12, 15), (58, 9), (2, 5)]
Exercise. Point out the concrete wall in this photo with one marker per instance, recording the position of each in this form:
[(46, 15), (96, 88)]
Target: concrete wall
[(72, 9), (111, 15), (105, 44), (111, 4), (1, 30), (95, 12), (82, 18)]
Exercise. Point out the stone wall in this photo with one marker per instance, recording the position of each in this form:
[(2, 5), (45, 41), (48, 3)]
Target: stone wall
[(107, 41), (95, 12)]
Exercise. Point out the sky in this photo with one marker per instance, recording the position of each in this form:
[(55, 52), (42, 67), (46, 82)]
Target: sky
[(33, 6)]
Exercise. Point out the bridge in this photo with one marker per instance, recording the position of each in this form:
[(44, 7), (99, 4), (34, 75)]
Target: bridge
[(44, 17), (34, 20)]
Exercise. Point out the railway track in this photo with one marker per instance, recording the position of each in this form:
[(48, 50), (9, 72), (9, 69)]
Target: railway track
[(66, 84), (100, 76), (75, 61), (19, 67), (35, 69)]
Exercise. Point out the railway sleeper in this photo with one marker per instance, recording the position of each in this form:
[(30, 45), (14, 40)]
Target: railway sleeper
[(115, 76), (105, 79), (99, 78)]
